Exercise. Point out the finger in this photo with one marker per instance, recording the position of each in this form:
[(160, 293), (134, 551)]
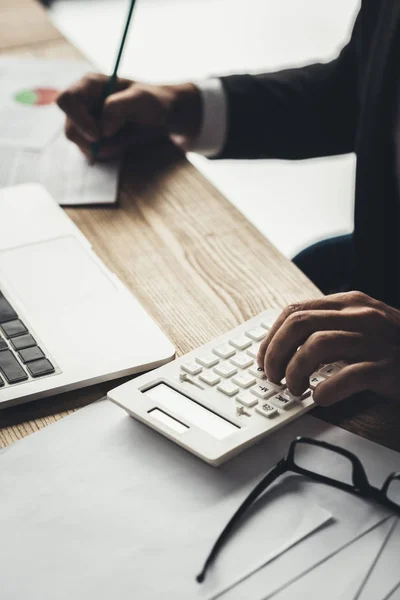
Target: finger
[(118, 110), (323, 348), (74, 134), (350, 380), (107, 151), (333, 302), (73, 103), (296, 329)]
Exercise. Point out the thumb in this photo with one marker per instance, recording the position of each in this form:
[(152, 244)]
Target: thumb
[(117, 111)]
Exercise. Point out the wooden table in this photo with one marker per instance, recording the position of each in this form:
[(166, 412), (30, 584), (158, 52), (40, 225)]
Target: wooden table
[(197, 265)]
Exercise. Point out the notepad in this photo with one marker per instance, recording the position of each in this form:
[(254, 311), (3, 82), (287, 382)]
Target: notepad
[(64, 171)]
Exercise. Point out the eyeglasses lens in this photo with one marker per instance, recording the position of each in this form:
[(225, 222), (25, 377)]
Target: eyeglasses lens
[(323, 461), (393, 492)]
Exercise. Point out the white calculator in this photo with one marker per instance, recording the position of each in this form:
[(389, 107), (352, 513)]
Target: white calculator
[(215, 401)]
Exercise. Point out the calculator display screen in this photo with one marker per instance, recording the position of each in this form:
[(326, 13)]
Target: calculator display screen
[(190, 411)]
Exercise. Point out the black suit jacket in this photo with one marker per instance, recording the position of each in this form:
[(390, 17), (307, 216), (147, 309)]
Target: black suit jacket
[(347, 105)]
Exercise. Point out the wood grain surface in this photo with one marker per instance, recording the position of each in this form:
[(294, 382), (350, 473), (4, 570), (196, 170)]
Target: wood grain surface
[(195, 263)]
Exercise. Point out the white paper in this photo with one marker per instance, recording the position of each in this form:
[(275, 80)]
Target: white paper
[(352, 515), (101, 506), (385, 575), (33, 126), (345, 571), (71, 180), (63, 170), (33, 148)]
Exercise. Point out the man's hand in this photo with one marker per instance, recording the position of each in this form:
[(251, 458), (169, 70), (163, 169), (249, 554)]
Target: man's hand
[(352, 327), (134, 114)]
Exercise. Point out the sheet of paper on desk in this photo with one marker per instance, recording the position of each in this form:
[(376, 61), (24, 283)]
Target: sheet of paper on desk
[(28, 87), (131, 509), (70, 179), (63, 170), (385, 576), (345, 571), (99, 505)]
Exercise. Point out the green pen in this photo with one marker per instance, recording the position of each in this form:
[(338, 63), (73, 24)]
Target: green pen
[(113, 78)]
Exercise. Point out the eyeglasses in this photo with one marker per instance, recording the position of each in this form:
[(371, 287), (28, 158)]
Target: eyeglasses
[(294, 462)]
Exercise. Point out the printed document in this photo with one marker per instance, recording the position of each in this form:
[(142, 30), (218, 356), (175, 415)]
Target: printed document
[(33, 148), (29, 117)]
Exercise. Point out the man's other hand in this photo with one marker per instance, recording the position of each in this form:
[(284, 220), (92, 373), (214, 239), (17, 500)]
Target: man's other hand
[(133, 114), (350, 327)]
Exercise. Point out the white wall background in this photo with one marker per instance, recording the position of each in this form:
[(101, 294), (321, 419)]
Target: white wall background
[(292, 203)]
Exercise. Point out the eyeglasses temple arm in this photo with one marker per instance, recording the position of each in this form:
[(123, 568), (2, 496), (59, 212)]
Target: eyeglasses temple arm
[(278, 470)]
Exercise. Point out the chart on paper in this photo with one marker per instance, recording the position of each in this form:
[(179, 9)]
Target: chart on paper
[(37, 96), (29, 117)]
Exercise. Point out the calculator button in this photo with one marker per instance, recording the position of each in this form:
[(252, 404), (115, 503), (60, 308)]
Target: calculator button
[(267, 323), (191, 367), (257, 372), (247, 399), (267, 410), (253, 351), (282, 401), (291, 396), (228, 388), (330, 370), (244, 380), (278, 386), (242, 361), (225, 370), (210, 378), (208, 360), (263, 390), (256, 334), (341, 363), (224, 351), (315, 380), (241, 342)]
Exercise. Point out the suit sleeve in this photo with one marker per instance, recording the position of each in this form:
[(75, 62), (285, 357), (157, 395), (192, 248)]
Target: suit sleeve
[(296, 113)]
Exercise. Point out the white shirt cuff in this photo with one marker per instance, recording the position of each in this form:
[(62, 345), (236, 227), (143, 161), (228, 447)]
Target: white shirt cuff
[(212, 136)]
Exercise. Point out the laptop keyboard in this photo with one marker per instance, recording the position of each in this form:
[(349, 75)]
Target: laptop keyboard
[(20, 356)]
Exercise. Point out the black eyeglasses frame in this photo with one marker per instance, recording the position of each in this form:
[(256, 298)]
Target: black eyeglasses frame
[(360, 487)]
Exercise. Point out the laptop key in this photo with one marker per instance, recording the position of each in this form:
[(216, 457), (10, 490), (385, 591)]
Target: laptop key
[(1, 382), (3, 344), (10, 367), (25, 341), (41, 367), (14, 328), (30, 354), (7, 313)]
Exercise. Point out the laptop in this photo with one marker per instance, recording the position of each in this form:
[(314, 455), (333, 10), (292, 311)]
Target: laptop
[(66, 321)]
